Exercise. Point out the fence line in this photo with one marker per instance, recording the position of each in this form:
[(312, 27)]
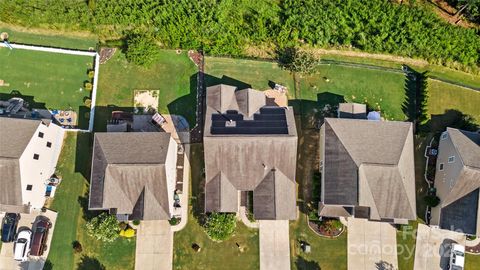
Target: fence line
[(96, 69)]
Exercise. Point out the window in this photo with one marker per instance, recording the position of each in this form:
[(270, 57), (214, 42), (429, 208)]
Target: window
[(444, 135), (451, 159), (40, 134), (36, 156), (29, 187), (441, 167), (49, 144)]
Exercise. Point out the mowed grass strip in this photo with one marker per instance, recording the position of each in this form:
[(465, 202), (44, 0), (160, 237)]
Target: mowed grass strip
[(48, 80), (173, 74)]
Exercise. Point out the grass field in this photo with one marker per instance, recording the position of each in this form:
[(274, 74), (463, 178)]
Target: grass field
[(174, 75), (48, 38), (406, 241), (69, 202), (213, 255), (45, 80)]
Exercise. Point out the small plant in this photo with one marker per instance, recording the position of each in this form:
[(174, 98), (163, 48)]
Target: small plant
[(104, 227), (91, 73), (77, 247), (294, 60), (220, 226), (431, 200), (136, 222), (123, 225), (88, 86), (87, 103), (174, 221)]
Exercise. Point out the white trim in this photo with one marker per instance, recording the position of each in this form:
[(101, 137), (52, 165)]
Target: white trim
[(93, 54)]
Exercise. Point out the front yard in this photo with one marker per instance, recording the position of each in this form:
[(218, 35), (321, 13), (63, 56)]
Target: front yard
[(70, 203), (213, 255)]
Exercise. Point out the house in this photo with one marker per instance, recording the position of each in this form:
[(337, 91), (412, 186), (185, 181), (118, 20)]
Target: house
[(133, 175), (29, 151), (352, 110), (457, 182), (250, 150), (367, 170)]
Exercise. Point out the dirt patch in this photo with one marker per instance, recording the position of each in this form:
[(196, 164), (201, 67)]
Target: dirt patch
[(106, 54), (146, 101)]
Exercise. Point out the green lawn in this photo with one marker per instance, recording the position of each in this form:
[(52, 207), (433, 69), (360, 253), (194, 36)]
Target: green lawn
[(174, 75), (213, 255), (53, 38), (246, 73), (326, 253), (443, 96), (472, 262), (70, 202), (45, 80), (406, 241)]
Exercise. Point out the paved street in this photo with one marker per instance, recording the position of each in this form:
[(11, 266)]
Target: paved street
[(371, 245), (433, 247), (154, 249), (274, 245), (35, 263)]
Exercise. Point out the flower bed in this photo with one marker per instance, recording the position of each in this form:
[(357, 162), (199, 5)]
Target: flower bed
[(330, 227)]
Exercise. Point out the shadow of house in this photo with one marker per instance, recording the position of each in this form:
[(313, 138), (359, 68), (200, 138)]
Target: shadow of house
[(83, 154), (304, 264), (452, 118), (415, 104), (312, 112), (29, 101), (186, 106), (212, 80), (90, 263)]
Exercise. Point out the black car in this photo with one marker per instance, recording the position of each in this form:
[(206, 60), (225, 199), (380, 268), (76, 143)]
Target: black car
[(9, 226)]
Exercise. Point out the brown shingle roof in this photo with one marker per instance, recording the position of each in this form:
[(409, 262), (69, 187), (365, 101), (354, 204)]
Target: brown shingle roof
[(127, 168)]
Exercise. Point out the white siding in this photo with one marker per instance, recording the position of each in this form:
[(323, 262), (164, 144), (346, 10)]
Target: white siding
[(35, 172)]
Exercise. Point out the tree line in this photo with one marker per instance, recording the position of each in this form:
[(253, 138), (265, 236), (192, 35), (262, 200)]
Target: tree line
[(228, 27)]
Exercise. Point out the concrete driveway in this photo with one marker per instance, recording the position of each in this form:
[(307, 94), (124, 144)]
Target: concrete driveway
[(433, 247), (34, 263), (154, 249), (371, 245), (274, 245)]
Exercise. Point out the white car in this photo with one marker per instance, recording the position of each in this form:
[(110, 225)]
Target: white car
[(21, 247), (457, 257)]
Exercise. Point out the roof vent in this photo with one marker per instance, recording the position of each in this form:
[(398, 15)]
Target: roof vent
[(230, 123)]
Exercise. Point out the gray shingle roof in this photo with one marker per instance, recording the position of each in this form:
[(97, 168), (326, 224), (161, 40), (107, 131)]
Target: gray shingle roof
[(370, 163), (128, 171), (468, 146), (15, 134), (461, 214), (236, 162)]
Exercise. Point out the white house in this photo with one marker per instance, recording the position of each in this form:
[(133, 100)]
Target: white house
[(29, 151)]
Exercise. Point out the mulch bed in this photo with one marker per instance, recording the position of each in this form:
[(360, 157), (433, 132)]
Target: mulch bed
[(196, 57), (475, 249), (322, 231), (106, 54)]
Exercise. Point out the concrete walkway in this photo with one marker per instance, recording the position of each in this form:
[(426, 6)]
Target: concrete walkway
[(34, 263), (433, 247), (185, 192), (242, 214), (154, 249), (371, 245), (274, 245)]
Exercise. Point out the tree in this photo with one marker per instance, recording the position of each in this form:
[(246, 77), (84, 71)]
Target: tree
[(431, 200), (142, 50), (104, 227), (294, 60), (220, 226)]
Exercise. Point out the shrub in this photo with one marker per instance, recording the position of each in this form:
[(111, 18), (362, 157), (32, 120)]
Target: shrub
[(295, 60), (91, 73), (431, 200), (142, 50), (174, 221), (220, 226), (88, 86), (104, 227), (136, 222), (77, 247), (87, 103)]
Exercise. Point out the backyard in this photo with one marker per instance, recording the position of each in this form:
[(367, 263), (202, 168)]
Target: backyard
[(46, 80), (70, 203), (213, 255), (174, 75)]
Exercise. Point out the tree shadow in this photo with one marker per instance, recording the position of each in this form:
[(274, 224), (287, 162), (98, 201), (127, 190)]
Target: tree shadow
[(415, 104), (90, 263), (29, 101), (304, 264), (48, 265)]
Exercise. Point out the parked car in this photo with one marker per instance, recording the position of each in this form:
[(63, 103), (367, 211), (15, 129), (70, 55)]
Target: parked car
[(9, 226), (21, 247), (40, 235), (457, 257)]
